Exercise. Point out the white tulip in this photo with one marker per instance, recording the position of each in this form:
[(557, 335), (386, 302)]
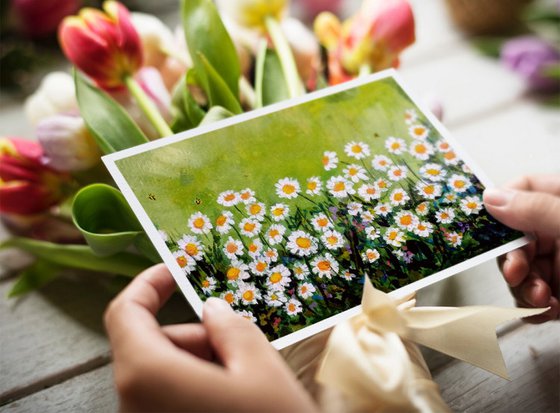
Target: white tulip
[(55, 95), (252, 13), (67, 144)]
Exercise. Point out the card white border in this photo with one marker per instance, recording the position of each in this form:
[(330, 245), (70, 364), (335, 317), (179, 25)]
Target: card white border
[(186, 287)]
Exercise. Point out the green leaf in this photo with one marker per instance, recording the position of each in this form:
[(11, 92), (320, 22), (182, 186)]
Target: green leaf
[(215, 114), (271, 81), (206, 34), (110, 125), (103, 216), (489, 46), (38, 274), (216, 89), (186, 112), (80, 256)]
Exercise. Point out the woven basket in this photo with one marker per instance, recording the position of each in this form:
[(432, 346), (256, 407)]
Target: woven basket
[(486, 16)]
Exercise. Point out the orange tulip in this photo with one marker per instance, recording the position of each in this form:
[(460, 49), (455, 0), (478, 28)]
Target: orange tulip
[(104, 45), (371, 39)]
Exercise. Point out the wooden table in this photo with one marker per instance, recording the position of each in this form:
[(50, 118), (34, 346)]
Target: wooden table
[(54, 355)]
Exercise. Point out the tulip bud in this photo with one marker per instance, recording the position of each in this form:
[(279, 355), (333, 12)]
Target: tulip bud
[(253, 13), (55, 95), (27, 186), (105, 46), (67, 144)]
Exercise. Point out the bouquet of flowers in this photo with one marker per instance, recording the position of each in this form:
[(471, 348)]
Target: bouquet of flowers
[(135, 80)]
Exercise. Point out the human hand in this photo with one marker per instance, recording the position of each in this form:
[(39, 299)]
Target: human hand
[(223, 364), (531, 204)]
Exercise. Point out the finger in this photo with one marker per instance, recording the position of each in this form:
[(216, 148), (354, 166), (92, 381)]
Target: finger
[(538, 183), (515, 267), (552, 314), (525, 211), (237, 342), (190, 337)]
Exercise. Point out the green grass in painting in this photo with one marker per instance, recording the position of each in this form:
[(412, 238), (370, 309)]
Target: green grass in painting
[(284, 215)]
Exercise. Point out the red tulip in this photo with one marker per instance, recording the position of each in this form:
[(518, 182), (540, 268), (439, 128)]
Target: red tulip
[(27, 187), (37, 18), (372, 39), (104, 45)]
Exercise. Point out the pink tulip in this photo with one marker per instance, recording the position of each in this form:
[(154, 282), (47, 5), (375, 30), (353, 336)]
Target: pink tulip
[(39, 18), (27, 186), (104, 45)]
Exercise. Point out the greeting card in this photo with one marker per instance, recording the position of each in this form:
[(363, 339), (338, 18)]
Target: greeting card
[(284, 211)]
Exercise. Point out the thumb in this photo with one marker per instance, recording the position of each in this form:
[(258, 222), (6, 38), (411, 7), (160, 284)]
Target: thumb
[(525, 211), (237, 342)]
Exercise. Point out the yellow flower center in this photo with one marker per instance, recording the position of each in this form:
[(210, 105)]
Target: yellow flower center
[(356, 149), (245, 195), (395, 146), (229, 297), (339, 186), (429, 189), (449, 155), (249, 227), (371, 255), (277, 211), (233, 273), (397, 172), (419, 131), (291, 307), (261, 266), (382, 184), (275, 277), (398, 196), (421, 227), (253, 247), (312, 185), (206, 283), (444, 215), (421, 149), (406, 220), (433, 172), (332, 240), (303, 242), (198, 223), (191, 249), (303, 289), (393, 235), (444, 146), (182, 261), (324, 265), (352, 171), (289, 189), (459, 184), (249, 295), (231, 248), (472, 205), (229, 197), (221, 220), (325, 160), (255, 209), (273, 233)]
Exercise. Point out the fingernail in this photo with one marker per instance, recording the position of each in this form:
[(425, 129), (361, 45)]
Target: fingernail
[(498, 197), (216, 305), (529, 292)]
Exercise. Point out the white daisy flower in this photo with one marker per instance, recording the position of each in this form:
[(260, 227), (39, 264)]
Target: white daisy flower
[(428, 190), (247, 196), (247, 315), (433, 172), (394, 237), (372, 233), (348, 276), (321, 222), (333, 240), (450, 198), (423, 209), (421, 150), (397, 172), (423, 229), (278, 212), (255, 248), (301, 244), (324, 266), (233, 248), (293, 307), (300, 270), (406, 220), (192, 246), (185, 261), (287, 188), (306, 290), (208, 285), (249, 293), (418, 132), (256, 210), (367, 216), (278, 277), (410, 116), (260, 266), (370, 255), (381, 163), (224, 222), (237, 272), (357, 150), (445, 216), (443, 146), (471, 205), (275, 234), (382, 184), (383, 209), (454, 238), (355, 173), (314, 186), (396, 146), (271, 255), (369, 192), (249, 227), (199, 223), (459, 183), (228, 198), (398, 197), (330, 160), (340, 187), (275, 298), (229, 297), (450, 158), (354, 208)]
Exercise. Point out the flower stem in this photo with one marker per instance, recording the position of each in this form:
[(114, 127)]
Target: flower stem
[(147, 107), (286, 57), (365, 70)]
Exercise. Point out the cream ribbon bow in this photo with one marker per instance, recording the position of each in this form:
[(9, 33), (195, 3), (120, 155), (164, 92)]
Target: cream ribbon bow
[(369, 343)]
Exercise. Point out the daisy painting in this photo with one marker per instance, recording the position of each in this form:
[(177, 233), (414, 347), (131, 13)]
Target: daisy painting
[(283, 213)]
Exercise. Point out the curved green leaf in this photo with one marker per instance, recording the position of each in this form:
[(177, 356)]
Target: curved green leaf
[(186, 112), (216, 89), (103, 216), (110, 125), (38, 274), (81, 257), (271, 86), (205, 33), (215, 114)]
